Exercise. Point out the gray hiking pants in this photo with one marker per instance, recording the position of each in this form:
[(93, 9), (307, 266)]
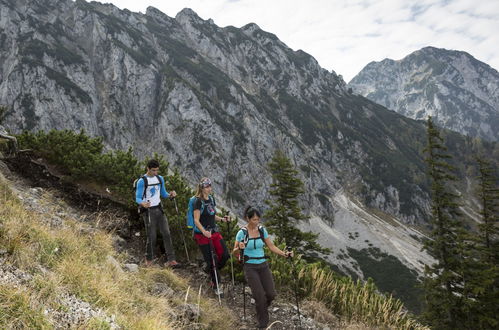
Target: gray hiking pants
[(155, 220), (259, 279)]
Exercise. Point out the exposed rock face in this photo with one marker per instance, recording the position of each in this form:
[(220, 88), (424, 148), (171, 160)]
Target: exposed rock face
[(215, 101), (458, 91)]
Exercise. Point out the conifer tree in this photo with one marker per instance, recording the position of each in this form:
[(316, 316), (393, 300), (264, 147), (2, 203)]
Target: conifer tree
[(486, 281), (285, 212), (443, 281)]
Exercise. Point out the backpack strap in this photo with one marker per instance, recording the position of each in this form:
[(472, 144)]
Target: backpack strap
[(262, 233), (246, 239), (146, 183), (246, 235)]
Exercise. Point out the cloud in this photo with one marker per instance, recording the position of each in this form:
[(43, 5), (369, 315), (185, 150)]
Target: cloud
[(345, 35)]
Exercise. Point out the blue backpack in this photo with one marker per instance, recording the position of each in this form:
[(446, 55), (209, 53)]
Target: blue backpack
[(190, 211)]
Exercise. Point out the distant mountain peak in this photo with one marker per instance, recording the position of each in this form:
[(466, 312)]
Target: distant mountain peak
[(459, 91), (251, 27), (188, 13)]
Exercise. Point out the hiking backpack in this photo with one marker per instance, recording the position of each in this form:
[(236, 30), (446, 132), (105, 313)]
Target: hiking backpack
[(190, 211), (246, 234), (246, 239), (146, 183)]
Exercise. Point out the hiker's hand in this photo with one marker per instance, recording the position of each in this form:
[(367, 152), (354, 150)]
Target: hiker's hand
[(288, 254), (207, 234), (146, 204), (173, 194), (242, 245), (226, 219)]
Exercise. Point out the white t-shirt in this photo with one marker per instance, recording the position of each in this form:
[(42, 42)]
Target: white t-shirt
[(153, 190)]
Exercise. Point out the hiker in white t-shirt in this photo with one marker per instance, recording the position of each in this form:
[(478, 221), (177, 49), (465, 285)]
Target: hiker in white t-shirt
[(150, 189)]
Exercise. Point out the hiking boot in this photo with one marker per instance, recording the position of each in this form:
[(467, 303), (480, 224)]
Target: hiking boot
[(172, 264)]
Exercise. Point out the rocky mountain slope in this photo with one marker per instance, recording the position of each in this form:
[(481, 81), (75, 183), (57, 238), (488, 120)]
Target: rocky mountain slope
[(55, 298), (219, 102), (458, 91)]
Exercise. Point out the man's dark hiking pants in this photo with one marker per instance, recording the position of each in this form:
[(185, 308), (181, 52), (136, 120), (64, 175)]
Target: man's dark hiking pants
[(259, 279), (155, 220)]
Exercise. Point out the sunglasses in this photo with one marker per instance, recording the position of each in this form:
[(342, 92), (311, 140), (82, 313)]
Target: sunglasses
[(205, 183)]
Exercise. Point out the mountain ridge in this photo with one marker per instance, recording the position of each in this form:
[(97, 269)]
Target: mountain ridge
[(458, 91)]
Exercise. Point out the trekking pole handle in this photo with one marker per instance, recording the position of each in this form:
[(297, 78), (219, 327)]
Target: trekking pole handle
[(226, 217)]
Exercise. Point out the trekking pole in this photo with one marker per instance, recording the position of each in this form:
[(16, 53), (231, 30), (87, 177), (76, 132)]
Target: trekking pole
[(231, 262), (214, 264), (182, 232), (241, 255), (288, 248), (148, 227)]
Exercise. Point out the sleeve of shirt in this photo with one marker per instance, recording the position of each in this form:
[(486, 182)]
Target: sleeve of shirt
[(197, 204), (163, 191), (139, 192), (240, 236), (265, 233)]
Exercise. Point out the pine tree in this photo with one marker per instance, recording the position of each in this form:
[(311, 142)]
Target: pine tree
[(486, 281), (285, 213), (443, 281)]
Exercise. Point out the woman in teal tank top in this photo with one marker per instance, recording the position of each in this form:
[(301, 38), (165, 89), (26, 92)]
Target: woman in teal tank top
[(251, 239)]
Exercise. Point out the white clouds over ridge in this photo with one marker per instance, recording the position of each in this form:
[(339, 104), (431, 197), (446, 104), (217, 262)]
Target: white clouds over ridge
[(346, 35)]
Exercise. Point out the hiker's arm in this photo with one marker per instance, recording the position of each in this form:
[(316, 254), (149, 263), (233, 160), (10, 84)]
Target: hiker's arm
[(225, 218), (139, 193), (235, 251), (163, 192), (222, 219), (274, 248), (238, 244), (197, 223)]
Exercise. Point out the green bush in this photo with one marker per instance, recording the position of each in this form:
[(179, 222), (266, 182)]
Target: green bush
[(81, 158)]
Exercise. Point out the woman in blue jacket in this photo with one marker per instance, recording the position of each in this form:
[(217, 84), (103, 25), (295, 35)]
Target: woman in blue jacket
[(251, 239)]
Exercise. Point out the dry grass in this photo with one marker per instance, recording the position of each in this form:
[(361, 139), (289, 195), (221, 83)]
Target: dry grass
[(20, 310), (357, 301), (74, 261), (351, 301)]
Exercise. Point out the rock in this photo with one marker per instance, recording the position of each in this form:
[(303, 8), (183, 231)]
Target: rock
[(55, 221), (132, 268), (162, 289), (37, 191), (3, 251), (4, 169), (114, 264), (118, 243), (137, 234), (188, 312)]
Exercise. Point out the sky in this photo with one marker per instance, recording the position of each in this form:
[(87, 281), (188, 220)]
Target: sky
[(345, 35)]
